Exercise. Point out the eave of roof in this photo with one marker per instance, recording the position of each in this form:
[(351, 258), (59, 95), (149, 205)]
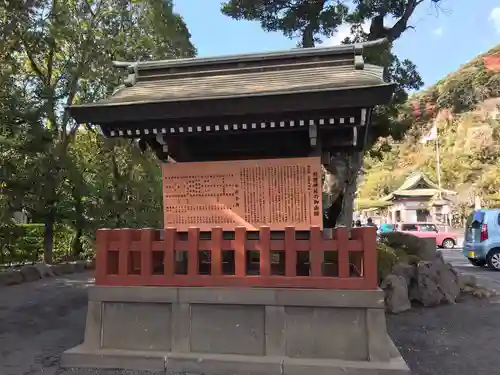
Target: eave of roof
[(234, 105), (406, 189), (429, 193)]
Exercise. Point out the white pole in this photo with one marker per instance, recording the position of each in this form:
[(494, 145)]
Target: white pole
[(438, 172), (438, 165)]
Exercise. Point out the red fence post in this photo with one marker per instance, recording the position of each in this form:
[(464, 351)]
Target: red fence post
[(169, 252), (125, 241), (240, 239), (316, 252), (101, 261), (216, 252), (265, 251), (368, 238), (290, 254), (147, 237), (342, 237), (193, 248)]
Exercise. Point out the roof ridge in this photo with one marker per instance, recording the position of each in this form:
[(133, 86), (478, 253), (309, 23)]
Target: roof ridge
[(287, 57), (355, 48)]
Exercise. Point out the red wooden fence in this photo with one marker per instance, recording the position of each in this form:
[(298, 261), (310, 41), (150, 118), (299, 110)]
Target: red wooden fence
[(290, 259)]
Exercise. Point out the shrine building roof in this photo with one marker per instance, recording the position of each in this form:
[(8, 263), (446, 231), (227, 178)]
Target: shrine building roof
[(200, 87)]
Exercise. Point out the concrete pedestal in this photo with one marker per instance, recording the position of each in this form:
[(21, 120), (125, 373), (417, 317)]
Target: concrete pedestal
[(235, 331)]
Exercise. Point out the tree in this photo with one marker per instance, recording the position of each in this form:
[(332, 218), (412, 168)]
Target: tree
[(68, 47), (312, 20)]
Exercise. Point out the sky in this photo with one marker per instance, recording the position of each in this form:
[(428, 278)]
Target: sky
[(442, 40)]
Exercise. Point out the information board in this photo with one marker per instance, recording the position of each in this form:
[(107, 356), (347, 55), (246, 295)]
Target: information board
[(251, 193)]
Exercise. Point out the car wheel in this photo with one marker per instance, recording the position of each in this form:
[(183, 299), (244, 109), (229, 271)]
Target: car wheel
[(477, 262), (448, 243), (494, 260)]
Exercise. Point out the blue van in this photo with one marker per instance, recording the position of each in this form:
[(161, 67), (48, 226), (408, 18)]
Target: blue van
[(482, 238)]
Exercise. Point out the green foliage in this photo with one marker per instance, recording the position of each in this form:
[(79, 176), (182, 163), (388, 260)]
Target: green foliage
[(469, 142), (388, 257), (367, 204), (23, 243), (55, 54), (311, 22), (460, 91)]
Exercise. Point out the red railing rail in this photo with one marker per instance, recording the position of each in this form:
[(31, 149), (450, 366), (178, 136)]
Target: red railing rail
[(290, 259)]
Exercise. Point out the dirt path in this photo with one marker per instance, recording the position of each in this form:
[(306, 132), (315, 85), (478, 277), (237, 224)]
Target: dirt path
[(39, 320), (454, 339)]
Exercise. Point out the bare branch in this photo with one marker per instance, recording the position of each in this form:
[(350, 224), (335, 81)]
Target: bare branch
[(402, 25)]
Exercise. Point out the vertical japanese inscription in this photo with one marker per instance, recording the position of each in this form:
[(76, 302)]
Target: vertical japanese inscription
[(277, 193)]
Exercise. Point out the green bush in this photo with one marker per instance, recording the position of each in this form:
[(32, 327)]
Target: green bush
[(23, 243), (388, 257)]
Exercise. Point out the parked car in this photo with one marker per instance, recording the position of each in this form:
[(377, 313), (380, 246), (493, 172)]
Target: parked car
[(482, 238), (445, 240), (384, 228)]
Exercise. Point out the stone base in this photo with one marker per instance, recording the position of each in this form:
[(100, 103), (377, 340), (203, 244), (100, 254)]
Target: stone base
[(234, 331), (225, 364)]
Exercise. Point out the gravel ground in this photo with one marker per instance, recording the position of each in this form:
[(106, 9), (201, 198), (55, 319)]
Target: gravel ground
[(39, 320)]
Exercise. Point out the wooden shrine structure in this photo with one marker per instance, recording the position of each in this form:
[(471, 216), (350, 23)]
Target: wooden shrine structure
[(242, 279)]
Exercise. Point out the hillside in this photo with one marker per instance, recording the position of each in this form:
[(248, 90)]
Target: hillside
[(469, 137)]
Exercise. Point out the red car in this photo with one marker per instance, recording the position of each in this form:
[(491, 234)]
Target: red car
[(445, 240)]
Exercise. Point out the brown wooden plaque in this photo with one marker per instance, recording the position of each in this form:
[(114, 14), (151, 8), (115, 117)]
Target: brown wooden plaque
[(251, 193)]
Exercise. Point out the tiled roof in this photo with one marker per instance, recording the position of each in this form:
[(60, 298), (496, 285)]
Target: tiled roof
[(244, 84), (407, 188), (293, 71)]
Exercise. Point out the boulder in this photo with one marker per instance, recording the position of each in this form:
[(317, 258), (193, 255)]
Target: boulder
[(449, 283), (482, 292), (90, 264), (79, 266), (426, 248), (11, 277), (436, 282), (44, 270), (422, 248), (30, 273), (406, 271), (396, 294), (63, 268), (466, 282)]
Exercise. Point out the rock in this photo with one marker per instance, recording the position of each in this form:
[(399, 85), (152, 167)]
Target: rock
[(90, 264), (30, 273), (11, 277), (449, 283), (79, 266), (482, 292), (396, 294), (63, 268), (44, 270), (466, 282), (406, 271), (422, 248), (436, 282), (426, 249)]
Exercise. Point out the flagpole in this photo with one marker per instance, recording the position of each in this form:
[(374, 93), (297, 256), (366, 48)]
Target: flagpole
[(438, 166), (438, 172)]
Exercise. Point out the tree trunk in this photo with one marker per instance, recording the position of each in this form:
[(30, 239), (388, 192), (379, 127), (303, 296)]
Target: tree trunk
[(308, 37), (340, 186), (79, 223), (76, 243), (48, 236)]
